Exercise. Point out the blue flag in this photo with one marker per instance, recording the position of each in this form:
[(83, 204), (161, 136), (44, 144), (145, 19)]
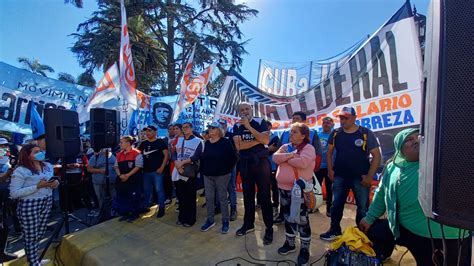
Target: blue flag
[(148, 120), (132, 125), (37, 126), (74, 107)]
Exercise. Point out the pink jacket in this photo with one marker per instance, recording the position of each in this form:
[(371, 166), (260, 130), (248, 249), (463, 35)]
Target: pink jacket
[(304, 164)]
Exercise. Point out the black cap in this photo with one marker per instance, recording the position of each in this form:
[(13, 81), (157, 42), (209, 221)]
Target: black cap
[(150, 127)]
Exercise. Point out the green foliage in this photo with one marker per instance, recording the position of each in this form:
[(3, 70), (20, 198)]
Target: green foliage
[(35, 66), (162, 34)]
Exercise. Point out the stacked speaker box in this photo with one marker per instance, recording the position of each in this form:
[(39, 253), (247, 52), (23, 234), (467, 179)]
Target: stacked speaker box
[(105, 128), (446, 184), (62, 133)]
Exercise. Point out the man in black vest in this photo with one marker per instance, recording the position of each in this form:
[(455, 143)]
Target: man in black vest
[(250, 137), (351, 169)]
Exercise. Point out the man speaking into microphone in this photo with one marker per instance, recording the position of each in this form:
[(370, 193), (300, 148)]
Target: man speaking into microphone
[(250, 137)]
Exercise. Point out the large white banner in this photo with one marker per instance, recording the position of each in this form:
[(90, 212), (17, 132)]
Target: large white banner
[(381, 80)]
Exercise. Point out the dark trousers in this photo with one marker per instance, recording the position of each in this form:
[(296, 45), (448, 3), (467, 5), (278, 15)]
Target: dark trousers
[(420, 247), (321, 175), (275, 192), (257, 174), (167, 183), (186, 192)]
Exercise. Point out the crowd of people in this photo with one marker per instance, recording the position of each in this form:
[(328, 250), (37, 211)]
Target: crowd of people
[(273, 170)]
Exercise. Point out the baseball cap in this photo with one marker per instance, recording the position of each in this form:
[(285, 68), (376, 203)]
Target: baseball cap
[(151, 127), (328, 118), (3, 141), (347, 111), (215, 125), (222, 121)]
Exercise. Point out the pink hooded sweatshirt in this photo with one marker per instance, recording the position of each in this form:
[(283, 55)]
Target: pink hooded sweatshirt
[(304, 164)]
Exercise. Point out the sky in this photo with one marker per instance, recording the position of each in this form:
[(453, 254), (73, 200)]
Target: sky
[(284, 30)]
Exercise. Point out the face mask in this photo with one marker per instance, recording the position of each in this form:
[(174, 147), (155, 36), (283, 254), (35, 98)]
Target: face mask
[(40, 156)]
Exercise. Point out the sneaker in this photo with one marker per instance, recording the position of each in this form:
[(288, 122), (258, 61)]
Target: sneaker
[(161, 213), (225, 227), (275, 213), (303, 257), (330, 235), (268, 237), (187, 225), (45, 262), (207, 225), (233, 214), (286, 249), (168, 201), (179, 223), (244, 230), (7, 257)]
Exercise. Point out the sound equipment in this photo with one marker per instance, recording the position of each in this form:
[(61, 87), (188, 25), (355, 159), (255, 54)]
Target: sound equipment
[(62, 133), (446, 182), (105, 128)]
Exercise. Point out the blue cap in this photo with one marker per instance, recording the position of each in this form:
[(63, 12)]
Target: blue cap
[(347, 111)]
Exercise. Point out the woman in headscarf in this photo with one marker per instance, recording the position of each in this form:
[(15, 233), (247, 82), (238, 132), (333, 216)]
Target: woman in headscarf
[(406, 224)]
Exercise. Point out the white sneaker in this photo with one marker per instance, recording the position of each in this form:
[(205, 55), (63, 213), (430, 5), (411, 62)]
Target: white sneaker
[(45, 261)]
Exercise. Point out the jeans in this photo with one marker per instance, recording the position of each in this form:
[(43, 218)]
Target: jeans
[(150, 179), (340, 190), (232, 189), (100, 192), (218, 184)]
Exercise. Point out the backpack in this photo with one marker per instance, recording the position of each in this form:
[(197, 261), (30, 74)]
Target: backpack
[(362, 130)]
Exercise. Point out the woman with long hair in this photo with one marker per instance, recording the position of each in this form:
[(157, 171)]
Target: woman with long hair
[(32, 183), (295, 162)]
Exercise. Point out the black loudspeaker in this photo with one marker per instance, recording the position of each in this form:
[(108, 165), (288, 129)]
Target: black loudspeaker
[(446, 183), (105, 128), (62, 133)]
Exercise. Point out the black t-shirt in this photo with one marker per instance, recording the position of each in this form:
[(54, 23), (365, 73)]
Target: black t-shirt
[(258, 124), (218, 158), (351, 159), (152, 154)]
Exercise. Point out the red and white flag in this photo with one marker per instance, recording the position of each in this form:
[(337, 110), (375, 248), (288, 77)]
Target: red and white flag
[(128, 83), (192, 87), (184, 84), (143, 100), (108, 88)]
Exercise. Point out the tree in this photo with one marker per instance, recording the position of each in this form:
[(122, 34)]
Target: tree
[(168, 29), (76, 3), (34, 65), (66, 77), (86, 79), (98, 44)]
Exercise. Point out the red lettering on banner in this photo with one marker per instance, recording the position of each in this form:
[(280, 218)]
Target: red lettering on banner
[(311, 122), (372, 108), (385, 105), (405, 101)]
